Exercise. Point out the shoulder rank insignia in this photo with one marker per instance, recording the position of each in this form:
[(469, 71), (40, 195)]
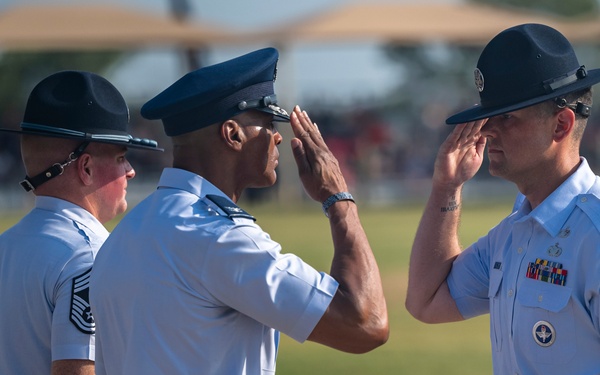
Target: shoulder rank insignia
[(230, 208), (81, 314)]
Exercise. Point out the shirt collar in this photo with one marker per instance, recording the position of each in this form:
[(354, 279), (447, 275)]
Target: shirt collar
[(72, 212), (554, 211), (176, 178)]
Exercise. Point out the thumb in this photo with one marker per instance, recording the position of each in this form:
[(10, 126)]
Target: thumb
[(299, 155)]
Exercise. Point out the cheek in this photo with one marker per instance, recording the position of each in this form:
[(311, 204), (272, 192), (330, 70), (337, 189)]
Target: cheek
[(114, 176)]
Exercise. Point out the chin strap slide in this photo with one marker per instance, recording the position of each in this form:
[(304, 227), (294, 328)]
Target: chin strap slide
[(31, 183)]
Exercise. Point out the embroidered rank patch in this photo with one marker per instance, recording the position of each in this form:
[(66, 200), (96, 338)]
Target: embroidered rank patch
[(228, 207), (81, 314), (543, 333), (547, 271)]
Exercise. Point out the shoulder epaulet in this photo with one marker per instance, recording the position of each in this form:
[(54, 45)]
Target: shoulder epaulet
[(230, 208), (590, 204)]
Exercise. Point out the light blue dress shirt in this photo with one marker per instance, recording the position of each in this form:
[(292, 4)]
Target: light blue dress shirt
[(180, 287), (44, 269), (538, 275)]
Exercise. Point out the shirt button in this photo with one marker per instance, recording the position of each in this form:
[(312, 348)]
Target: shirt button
[(584, 199), (520, 250), (510, 293), (540, 298)]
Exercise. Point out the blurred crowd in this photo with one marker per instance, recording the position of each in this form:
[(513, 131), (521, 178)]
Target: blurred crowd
[(377, 149)]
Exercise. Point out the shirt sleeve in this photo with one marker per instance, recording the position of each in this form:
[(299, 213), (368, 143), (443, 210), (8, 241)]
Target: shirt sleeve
[(469, 280), (250, 275), (72, 324)]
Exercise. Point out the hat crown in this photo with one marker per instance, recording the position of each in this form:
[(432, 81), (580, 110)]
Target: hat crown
[(517, 62), (80, 101), (217, 92), (523, 66)]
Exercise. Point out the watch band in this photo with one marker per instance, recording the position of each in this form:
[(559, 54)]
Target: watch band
[(342, 196)]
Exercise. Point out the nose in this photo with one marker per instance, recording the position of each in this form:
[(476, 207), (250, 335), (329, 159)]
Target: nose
[(129, 171), (490, 128), (278, 138)]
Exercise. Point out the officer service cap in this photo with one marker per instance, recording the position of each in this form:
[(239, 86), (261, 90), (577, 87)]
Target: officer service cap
[(218, 92)]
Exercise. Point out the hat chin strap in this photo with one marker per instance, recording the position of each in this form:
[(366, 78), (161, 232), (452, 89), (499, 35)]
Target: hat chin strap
[(31, 183), (578, 107)]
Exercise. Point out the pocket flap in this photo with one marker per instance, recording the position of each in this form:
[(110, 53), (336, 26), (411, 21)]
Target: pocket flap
[(544, 296)]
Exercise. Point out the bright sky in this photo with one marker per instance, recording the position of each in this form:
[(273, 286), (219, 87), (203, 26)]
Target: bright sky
[(334, 72)]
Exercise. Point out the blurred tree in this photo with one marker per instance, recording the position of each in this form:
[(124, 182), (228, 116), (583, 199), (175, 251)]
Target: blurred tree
[(181, 10), (570, 8)]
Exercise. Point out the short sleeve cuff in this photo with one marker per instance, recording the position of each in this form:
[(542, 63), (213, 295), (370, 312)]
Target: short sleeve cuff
[(74, 352), (322, 297)]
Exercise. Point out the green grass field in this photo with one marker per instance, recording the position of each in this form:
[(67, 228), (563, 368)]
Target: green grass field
[(413, 348)]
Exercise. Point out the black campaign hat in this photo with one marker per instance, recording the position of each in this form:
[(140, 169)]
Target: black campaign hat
[(522, 66), (79, 105), (218, 92)]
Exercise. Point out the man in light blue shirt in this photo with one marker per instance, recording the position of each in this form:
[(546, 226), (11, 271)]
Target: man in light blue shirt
[(537, 273), (189, 283), (73, 143)]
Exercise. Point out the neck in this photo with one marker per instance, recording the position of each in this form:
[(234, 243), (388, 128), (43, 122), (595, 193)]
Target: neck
[(538, 186)]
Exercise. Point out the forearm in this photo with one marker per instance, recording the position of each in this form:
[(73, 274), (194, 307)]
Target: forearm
[(356, 320), (354, 265), (435, 247)]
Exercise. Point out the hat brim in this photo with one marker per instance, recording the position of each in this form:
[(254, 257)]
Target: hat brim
[(130, 142), (478, 112)]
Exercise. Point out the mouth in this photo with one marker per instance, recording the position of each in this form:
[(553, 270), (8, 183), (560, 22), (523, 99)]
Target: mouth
[(493, 150)]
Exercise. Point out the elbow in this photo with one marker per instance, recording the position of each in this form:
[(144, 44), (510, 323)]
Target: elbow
[(375, 333), (378, 336), (417, 310)]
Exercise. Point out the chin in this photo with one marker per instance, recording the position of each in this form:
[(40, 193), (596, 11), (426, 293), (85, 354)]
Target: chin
[(122, 208), (268, 182)]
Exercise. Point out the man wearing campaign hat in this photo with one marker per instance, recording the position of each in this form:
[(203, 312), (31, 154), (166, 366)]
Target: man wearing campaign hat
[(73, 143), (201, 288), (537, 273)]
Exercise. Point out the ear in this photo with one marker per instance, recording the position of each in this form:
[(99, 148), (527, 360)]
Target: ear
[(85, 169), (232, 134), (565, 121)]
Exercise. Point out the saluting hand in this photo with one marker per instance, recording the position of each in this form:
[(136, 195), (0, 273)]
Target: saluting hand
[(318, 169), (460, 156)]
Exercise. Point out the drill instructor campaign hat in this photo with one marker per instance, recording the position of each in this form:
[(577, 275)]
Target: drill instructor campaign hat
[(218, 92), (77, 105), (522, 66)]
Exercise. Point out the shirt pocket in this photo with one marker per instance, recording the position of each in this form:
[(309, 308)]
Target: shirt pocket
[(548, 303), (495, 310)]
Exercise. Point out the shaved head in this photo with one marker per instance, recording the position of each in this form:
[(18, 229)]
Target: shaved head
[(39, 153)]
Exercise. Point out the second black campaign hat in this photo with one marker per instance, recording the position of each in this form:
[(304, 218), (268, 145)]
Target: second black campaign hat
[(522, 66), (218, 92)]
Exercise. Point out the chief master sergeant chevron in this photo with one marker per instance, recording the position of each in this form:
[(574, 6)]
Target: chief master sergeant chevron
[(189, 283)]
